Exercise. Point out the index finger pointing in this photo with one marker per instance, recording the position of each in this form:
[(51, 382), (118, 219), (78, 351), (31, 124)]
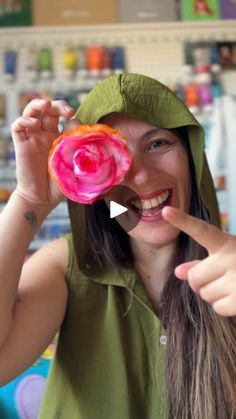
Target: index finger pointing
[(207, 235)]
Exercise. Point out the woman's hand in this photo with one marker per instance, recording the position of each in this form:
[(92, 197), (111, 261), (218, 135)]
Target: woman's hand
[(213, 278), (33, 134)]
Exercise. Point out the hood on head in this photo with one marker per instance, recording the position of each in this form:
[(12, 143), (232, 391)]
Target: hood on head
[(146, 99)]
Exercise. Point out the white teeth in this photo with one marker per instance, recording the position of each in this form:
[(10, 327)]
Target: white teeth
[(150, 203), (137, 204), (146, 204)]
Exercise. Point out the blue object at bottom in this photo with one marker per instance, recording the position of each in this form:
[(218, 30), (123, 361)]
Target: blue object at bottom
[(21, 398)]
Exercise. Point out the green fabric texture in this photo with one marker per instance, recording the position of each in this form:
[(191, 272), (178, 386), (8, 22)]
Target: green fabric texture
[(109, 360)]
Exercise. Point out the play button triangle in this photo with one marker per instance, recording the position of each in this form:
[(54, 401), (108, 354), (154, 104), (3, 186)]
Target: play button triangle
[(116, 209)]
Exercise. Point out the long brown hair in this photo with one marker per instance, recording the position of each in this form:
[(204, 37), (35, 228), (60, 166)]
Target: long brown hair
[(200, 355)]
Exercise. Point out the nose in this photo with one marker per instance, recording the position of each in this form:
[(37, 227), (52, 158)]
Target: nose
[(138, 174)]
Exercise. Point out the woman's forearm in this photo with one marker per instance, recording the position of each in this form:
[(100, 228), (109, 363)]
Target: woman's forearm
[(19, 222)]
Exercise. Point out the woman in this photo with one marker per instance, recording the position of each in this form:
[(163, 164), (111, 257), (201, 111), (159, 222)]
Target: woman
[(134, 342)]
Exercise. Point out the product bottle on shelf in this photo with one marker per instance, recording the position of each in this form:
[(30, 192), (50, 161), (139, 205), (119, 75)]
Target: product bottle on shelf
[(44, 62), (118, 59), (10, 62), (82, 71), (31, 65), (69, 62)]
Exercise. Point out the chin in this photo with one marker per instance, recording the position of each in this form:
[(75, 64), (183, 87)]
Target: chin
[(157, 237)]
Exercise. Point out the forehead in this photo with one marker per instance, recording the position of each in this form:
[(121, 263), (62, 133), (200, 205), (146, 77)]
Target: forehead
[(134, 128), (124, 122)]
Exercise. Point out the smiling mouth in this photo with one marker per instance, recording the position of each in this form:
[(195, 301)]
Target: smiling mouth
[(150, 207)]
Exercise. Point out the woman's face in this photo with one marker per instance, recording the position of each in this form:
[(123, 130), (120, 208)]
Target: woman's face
[(159, 175)]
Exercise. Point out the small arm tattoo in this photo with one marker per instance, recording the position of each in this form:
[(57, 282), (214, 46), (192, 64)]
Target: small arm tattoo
[(31, 217)]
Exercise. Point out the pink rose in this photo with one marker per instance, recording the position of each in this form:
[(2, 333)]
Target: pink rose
[(89, 161)]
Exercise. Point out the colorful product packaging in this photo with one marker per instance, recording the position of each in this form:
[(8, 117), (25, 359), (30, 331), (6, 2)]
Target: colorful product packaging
[(200, 10), (15, 13), (73, 12), (228, 9), (148, 11)]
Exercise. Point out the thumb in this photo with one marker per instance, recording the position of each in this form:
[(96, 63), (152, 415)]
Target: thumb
[(72, 124), (181, 271)]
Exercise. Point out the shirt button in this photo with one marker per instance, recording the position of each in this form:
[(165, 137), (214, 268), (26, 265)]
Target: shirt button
[(163, 340)]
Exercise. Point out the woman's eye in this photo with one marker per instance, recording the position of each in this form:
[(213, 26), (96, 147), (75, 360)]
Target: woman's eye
[(157, 143)]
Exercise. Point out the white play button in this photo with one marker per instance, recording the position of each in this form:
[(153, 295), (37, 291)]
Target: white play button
[(116, 209), (125, 216)]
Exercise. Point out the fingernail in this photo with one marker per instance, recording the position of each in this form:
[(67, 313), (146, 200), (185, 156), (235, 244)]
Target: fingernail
[(31, 121), (73, 124), (68, 108)]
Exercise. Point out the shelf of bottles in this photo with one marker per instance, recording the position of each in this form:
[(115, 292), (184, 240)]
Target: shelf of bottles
[(56, 64)]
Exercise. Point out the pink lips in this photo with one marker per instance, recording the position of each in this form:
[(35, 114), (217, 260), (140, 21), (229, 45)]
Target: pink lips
[(150, 195)]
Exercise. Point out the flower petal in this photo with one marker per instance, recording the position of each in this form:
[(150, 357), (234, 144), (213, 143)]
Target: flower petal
[(89, 161)]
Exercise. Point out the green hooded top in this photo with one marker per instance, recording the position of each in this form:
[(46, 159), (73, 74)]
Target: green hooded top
[(109, 362), (146, 99)]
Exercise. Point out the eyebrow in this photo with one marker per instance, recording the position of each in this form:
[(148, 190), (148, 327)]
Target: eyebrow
[(149, 133)]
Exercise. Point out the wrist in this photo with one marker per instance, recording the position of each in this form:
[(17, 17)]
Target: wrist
[(39, 210)]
